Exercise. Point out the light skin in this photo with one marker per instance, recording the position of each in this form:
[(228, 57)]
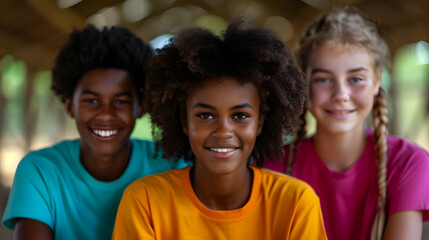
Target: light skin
[(105, 107), (222, 124), (342, 94), (343, 83)]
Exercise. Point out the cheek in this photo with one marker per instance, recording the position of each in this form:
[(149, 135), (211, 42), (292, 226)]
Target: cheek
[(366, 101), (365, 97), (196, 134), (127, 114), (249, 133), (318, 95)]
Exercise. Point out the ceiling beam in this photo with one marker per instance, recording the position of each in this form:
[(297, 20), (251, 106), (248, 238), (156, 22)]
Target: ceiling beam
[(63, 19), (36, 56)]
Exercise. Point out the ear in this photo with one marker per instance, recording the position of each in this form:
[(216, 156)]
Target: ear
[(140, 110), (68, 105), (377, 82), (141, 107), (260, 125), (184, 126)]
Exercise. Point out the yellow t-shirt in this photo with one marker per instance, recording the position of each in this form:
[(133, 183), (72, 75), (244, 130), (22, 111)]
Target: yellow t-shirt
[(165, 206)]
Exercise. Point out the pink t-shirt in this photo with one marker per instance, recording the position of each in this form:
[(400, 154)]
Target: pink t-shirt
[(349, 199)]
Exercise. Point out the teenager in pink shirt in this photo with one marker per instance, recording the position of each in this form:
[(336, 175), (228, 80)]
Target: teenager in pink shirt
[(371, 185)]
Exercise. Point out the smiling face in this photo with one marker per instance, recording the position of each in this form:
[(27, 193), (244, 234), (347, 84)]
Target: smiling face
[(222, 124), (105, 107), (343, 83)]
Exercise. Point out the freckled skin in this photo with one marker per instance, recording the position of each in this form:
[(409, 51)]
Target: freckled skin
[(343, 83)]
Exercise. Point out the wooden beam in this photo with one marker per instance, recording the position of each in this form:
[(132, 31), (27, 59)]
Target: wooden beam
[(36, 56), (63, 19)]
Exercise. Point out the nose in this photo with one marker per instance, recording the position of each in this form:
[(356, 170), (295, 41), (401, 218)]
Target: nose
[(340, 92), (106, 111), (223, 129)]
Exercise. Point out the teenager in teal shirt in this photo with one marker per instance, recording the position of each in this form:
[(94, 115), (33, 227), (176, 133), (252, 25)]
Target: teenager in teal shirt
[(72, 189)]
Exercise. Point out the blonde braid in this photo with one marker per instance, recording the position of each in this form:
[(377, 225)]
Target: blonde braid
[(380, 122), (300, 134)]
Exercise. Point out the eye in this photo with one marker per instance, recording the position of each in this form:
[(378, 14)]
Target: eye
[(123, 101), (90, 100), (323, 80), (241, 116), (205, 116), (356, 79)]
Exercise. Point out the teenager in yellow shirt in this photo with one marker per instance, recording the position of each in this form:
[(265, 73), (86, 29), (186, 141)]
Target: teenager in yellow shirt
[(223, 103)]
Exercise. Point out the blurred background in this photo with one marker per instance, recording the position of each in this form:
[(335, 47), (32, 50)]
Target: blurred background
[(32, 32)]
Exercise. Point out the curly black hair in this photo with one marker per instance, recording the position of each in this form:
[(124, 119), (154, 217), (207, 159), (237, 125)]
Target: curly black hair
[(90, 48), (255, 55)]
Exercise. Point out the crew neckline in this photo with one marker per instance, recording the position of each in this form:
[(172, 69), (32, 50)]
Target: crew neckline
[(225, 215)]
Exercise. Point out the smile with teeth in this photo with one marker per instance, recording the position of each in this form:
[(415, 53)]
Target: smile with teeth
[(341, 112), (222, 149), (105, 133)]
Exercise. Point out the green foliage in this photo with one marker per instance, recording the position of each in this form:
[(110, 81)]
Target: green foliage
[(214, 23), (13, 80)]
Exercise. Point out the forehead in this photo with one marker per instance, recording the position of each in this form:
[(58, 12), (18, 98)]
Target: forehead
[(340, 56), (224, 91), (106, 80)]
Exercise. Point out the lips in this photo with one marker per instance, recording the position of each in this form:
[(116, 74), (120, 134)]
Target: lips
[(222, 150), (105, 133), (339, 112)]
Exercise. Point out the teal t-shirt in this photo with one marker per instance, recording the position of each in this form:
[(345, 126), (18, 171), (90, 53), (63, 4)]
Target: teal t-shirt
[(52, 186)]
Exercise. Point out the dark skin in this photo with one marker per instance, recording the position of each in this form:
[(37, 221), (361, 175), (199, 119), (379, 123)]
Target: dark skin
[(105, 107), (222, 124), (31, 229)]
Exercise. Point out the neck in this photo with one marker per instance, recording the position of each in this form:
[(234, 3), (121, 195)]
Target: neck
[(340, 151), (106, 168), (222, 192)]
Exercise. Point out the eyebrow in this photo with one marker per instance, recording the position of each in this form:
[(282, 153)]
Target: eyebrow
[(127, 94), (317, 70), (207, 106)]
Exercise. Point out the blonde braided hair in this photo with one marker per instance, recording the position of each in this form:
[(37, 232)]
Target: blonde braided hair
[(380, 122)]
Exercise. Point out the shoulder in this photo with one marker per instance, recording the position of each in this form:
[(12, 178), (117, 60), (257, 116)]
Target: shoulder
[(286, 184), (147, 150), (142, 144), (149, 155), (53, 155), (402, 152), (403, 146), (303, 147), (160, 181), (302, 152)]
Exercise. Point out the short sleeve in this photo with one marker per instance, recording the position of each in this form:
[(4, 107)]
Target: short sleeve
[(409, 183), (133, 219), (308, 222), (29, 196)]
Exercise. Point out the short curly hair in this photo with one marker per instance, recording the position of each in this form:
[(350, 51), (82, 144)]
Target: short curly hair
[(255, 55), (90, 48)]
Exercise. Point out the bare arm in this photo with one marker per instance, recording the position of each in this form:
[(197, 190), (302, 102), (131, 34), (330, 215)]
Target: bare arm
[(31, 229), (404, 225)]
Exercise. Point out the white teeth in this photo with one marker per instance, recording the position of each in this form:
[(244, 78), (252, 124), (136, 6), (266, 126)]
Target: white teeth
[(222, 149), (106, 133), (341, 112)]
